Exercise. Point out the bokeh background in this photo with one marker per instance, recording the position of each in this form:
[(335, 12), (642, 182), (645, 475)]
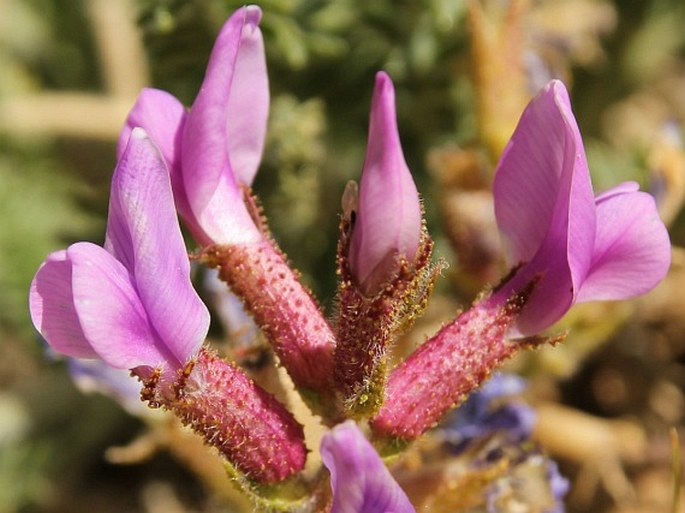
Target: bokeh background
[(607, 398)]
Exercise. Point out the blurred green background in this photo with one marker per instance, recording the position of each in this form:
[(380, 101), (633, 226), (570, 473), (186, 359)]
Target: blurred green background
[(70, 70)]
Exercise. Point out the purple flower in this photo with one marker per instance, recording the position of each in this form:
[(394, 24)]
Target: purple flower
[(219, 142), (130, 303), (384, 263), (486, 412), (360, 481), (388, 218), (577, 246)]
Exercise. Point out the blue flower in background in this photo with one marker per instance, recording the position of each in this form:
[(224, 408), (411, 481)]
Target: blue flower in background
[(489, 410), (493, 415)]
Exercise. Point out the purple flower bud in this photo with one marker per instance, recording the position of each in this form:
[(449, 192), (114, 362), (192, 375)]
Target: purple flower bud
[(577, 246), (224, 132), (360, 481), (559, 487), (388, 219)]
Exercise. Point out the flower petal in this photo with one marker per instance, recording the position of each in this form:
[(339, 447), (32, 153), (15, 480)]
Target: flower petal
[(248, 103), (110, 312), (143, 233), (545, 208), (162, 116), (210, 185), (632, 249), (545, 146), (388, 221), (360, 481), (51, 303)]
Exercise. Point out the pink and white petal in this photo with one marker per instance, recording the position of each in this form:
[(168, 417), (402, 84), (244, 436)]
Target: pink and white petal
[(51, 303), (528, 179), (248, 103), (111, 313), (211, 188), (162, 117), (360, 481), (389, 210), (632, 247), (150, 239)]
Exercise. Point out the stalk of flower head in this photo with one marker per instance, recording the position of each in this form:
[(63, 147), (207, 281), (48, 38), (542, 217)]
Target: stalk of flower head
[(383, 262), (132, 305), (566, 246), (213, 152)]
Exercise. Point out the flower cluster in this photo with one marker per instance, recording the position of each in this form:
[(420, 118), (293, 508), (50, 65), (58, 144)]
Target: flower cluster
[(131, 303)]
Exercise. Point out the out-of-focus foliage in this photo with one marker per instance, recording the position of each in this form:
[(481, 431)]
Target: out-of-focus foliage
[(38, 212), (624, 61)]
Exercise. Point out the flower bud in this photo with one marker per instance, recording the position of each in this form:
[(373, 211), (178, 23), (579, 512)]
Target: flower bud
[(388, 224)]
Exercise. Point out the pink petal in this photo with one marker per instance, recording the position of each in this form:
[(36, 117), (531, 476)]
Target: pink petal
[(51, 303), (110, 312), (162, 116), (545, 145), (388, 218), (210, 185), (360, 481), (248, 103), (545, 208), (632, 248), (144, 235)]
